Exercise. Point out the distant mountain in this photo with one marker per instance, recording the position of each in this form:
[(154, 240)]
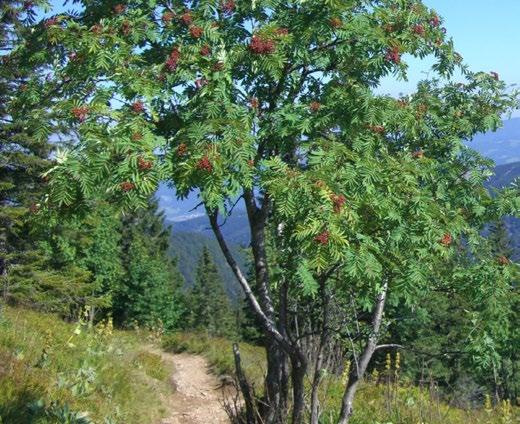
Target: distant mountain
[(235, 228), (187, 248), (503, 146)]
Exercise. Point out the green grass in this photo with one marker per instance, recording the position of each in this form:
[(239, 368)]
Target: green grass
[(52, 371), (388, 403)]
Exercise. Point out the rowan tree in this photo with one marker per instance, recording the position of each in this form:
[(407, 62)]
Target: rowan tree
[(274, 102)]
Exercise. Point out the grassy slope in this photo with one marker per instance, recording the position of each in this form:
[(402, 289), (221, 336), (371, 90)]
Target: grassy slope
[(51, 370), (393, 402)]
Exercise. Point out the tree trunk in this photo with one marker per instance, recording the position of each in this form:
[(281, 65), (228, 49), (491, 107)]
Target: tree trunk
[(298, 371), (244, 387), (357, 372), (315, 406)]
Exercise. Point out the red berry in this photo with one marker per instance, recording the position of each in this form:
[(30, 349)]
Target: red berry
[(315, 106), (503, 260), (50, 22), (393, 55), (96, 29), (336, 23), (435, 21), (282, 32), (260, 45), (419, 29), (144, 164), (446, 240), (338, 201), (182, 149), (205, 50), (196, 31), (173, 59), (167, 17), (378, 129), (80, 112), (418, 154), (228, 7), (254, 102), (322, 238), (119, 8), (204, 164), (201, 82), (126, 27), (138, 106), (186, 18), (127, 186), (137, 136)]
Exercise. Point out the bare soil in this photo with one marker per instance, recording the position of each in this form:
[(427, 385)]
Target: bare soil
[(197, 398)]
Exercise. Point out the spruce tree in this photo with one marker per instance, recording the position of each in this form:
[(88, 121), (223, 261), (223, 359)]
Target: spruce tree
[(210, 309), (149, 290)]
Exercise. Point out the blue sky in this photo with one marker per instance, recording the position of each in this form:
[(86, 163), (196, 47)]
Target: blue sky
[(486, 33)]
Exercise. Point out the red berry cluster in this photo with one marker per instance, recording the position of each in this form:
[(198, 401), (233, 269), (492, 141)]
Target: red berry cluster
[(50, 22), (182, 149), (378, 129), (127, 186), (96, 29), (228, 7), (338, 200), (435, 21), (144, 164), (138, 106), (186, 18), (260, 45), (205, 50), (218, 66), (167, 17), (126, 27), (503, 260), (419, 29), (446, 239), (336, 23), (204, 164), (137, 136), (173, 59), (418, 154), (494, 75), (314, 106), (282, 32), (196, 31), (402, 103), (393, 55), (323, 237), (119, 8), (251, 163), (201, 82), (80, 112), (254, 102)]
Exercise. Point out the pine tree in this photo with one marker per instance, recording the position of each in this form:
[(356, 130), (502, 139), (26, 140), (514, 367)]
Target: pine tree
[(23, 156), (149, 290), (210, 309)]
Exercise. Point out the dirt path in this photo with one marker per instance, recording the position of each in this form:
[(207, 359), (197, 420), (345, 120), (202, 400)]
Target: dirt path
[(197, 398)]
